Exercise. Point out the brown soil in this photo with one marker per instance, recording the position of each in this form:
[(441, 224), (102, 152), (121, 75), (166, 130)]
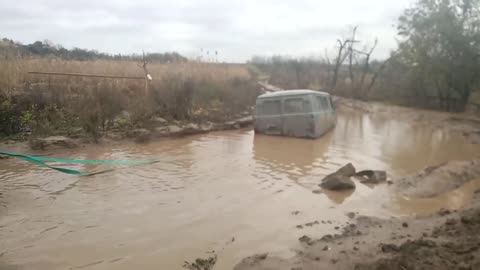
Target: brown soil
[(445, 240), (448, 240)]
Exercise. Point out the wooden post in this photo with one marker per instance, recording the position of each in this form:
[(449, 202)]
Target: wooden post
[(147, 75)]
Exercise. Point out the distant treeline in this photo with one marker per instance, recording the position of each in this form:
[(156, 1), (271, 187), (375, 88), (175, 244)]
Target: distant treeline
[(47, 48), (436, 64), (314, 72)]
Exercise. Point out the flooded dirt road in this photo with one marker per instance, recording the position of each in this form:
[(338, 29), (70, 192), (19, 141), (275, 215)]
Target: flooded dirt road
[(208, 190)]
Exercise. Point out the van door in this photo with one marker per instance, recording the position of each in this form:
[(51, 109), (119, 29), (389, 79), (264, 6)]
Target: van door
[(298, 117), (268, 117)]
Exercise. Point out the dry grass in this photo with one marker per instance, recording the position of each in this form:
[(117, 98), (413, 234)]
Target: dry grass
[(19, 68), (180, 91)]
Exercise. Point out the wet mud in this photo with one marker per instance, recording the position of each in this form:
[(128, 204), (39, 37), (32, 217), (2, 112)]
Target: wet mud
[(260, 190), (446, 239)]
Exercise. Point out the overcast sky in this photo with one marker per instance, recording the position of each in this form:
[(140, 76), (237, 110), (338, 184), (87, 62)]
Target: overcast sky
[(237, 29)]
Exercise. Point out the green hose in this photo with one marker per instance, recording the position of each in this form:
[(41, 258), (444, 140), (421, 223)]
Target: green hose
[(40, 161)]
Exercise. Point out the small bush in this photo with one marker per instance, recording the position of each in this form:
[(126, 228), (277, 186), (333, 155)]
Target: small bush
[(9, 117)]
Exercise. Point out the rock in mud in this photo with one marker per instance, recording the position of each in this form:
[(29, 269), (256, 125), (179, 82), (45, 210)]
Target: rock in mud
[(388, 248), (307, 240), (466, 220), (252, 261), (140, 134), (231, 125), (162, 131), (207, 127), (347, 170), (338, 183), (160, 121), (311, 224), (327, 238), (191, 129), (201, 264), (371, 177), (52, 142), (263, 262), (444, 212), (339, 180), (245, 121), (174, 129)]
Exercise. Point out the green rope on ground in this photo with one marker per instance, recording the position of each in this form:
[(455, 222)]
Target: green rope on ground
[(40, 161)]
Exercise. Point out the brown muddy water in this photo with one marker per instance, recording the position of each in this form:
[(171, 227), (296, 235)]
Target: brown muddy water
[(207, 190)]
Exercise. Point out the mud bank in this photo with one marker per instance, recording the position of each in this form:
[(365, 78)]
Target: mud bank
[(162, 129), (448, 239), (436, 180), (464, 124)]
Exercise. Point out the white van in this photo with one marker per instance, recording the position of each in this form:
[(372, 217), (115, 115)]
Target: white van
[(295, 113)]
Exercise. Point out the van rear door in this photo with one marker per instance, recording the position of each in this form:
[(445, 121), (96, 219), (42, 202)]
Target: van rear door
[(268, 117), (298, 117)]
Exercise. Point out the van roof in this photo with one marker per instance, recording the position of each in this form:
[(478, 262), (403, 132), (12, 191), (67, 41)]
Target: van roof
[(284, 93)]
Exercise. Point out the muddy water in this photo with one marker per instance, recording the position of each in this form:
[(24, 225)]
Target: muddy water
[(207, 190)]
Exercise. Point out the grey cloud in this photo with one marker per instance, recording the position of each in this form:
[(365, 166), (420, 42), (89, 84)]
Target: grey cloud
[(238, 28)]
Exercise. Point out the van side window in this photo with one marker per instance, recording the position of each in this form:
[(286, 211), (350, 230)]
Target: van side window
[(294, 105), (271, 107), (323, 103)]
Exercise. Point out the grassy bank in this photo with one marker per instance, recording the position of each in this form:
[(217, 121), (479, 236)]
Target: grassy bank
[(47, 105)]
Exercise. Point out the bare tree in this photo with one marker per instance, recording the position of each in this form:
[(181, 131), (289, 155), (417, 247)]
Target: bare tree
[(341, 56), (366, 65), (351, 53)]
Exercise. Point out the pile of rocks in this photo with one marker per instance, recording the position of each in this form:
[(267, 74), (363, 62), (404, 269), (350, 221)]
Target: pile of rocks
[(342, 178)]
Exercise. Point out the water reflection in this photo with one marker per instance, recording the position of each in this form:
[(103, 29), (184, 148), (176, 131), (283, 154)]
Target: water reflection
[(290, 157), (338, 197)]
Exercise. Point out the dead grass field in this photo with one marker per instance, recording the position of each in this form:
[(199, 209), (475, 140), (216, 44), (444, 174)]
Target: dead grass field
[(47, 104)]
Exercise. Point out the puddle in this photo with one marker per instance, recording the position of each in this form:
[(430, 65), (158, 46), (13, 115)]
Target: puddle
[(207, 190)]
